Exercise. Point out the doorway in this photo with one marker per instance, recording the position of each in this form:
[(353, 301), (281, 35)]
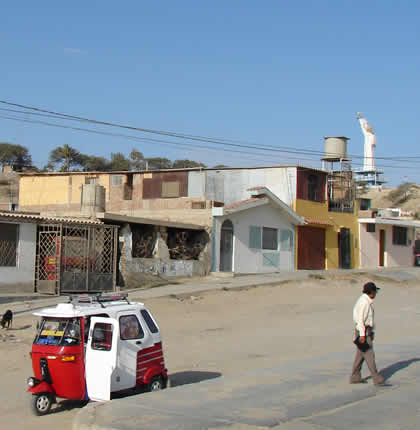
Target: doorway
[(226, 246), (382, 238), (344, 248)]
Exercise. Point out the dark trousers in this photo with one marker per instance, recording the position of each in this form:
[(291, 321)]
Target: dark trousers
[(369, 357)]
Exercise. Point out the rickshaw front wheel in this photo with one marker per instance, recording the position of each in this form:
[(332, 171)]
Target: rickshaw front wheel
[(41, 403)]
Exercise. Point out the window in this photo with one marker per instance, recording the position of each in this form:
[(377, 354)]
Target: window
[(116, 180), (399, 235), (9, 234), (269, 238), (149, 321), (130, 328), (286, 240), (255, 237), (263, 238), (102, 337), (91, 180), (370, 228), (365, 204), (313, 188), (58, 331)]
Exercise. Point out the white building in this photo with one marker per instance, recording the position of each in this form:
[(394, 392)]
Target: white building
[(386, 242), (256, 235)]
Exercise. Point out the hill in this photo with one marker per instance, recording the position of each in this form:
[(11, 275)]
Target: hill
[(406, 197)]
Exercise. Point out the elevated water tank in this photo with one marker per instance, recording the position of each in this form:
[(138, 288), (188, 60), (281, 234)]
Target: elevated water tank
[(335, 148), (93, 199)]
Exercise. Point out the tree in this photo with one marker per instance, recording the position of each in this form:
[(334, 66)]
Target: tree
[(16, 155), (91, 163), (119, 162), (186, 164), (219, 166), (66, 156), (158, 163), (137, 160)]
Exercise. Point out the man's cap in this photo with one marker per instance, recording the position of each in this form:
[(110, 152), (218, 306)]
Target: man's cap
[(369, 287)]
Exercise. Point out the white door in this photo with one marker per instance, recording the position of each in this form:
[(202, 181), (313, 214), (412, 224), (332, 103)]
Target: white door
[(101, 357), (133, 339)]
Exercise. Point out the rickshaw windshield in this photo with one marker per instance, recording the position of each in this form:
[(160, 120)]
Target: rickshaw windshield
[(58, 331)]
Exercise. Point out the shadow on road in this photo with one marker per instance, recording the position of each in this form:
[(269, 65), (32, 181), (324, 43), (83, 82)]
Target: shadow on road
[(24, 327), (191, 377), (387, 372), (67, 405)]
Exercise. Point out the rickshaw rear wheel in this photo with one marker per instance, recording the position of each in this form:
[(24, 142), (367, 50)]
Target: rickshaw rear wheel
[(41, 403), (155, 384)]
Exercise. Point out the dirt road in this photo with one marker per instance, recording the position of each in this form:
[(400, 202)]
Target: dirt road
[(228, 332)]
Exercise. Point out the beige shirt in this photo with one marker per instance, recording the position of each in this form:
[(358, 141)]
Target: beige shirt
[(363, 314)]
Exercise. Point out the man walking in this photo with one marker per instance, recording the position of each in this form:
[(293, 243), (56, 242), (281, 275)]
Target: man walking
[(363, 317)]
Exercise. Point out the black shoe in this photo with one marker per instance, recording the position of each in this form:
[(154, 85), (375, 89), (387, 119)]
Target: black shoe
[(362, 381)]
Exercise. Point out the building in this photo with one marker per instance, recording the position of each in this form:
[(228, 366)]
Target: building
[(255, 235), (387, 242), (324, 198), (56, 254)]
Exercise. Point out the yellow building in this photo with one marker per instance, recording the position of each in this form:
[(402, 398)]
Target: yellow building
[(330, 239)]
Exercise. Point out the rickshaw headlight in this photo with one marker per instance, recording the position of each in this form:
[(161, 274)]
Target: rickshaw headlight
[(31, 382)]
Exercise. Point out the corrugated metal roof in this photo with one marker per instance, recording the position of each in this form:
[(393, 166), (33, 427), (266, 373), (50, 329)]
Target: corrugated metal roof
[(43, 218)]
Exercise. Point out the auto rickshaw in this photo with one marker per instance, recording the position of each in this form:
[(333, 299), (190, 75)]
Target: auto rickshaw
[(93, 346)]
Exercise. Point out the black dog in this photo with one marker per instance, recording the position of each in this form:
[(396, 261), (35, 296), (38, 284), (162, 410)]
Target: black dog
[(7, 319)]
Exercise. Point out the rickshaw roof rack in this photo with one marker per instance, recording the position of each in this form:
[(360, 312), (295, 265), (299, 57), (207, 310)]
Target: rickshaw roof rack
[(98, 298)]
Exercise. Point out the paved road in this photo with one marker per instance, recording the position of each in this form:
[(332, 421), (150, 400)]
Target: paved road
[(306, 395), (309, 394)]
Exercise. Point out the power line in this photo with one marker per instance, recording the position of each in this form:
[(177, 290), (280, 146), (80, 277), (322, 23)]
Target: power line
[(162, 142), (226, 142)]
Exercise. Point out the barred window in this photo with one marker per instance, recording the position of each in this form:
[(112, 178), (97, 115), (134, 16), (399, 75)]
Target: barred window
[(399, 235), (8, 244)]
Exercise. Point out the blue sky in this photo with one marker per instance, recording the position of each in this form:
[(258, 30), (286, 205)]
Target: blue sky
[(274, 73)]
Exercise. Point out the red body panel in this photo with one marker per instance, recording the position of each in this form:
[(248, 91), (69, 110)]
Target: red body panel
[(68, 377), (43, 387), (150, 363)]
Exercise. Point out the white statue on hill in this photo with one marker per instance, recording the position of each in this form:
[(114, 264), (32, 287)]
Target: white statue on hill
[(370, 142)]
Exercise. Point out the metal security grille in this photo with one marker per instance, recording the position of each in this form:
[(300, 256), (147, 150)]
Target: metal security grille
[(47, 258), (74, 258), (8, 244)]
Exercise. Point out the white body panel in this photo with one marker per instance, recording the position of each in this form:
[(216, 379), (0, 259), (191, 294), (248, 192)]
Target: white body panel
[(100, 364)]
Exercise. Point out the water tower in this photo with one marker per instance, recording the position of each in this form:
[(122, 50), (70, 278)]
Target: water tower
[(335, 152)]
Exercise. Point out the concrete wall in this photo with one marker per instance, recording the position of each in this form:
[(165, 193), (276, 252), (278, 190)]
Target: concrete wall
[(230, 186), (21, 278), (395, 255), (246, 259), (135, 272)]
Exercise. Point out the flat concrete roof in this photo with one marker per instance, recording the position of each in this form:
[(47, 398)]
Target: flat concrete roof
[(107, 216)]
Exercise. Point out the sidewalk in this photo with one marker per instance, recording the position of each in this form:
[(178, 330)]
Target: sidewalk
[(27, 302)]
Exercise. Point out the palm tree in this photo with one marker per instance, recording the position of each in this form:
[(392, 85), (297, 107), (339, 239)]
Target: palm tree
[(66, 156)]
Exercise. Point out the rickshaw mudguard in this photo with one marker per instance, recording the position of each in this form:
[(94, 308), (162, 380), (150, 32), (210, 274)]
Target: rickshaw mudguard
[(154, 371), (43, 387)]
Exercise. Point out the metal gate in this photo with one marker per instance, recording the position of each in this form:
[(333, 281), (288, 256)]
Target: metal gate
[(76, 258)]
